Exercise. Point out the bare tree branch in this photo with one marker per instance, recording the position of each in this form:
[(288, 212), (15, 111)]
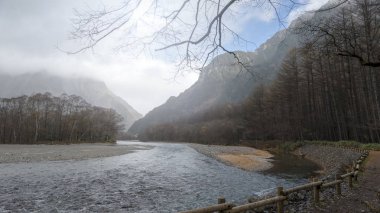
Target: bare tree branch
[(191, 28), (353, 31)]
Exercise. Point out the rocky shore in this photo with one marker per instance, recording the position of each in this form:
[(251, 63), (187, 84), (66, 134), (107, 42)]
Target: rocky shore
[(333, 160), (34, 153), (245, 158)]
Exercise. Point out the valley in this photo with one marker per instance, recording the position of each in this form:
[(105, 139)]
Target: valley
[(190, 106)]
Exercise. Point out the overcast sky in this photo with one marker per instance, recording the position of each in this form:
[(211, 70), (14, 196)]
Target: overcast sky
[(31, 31)]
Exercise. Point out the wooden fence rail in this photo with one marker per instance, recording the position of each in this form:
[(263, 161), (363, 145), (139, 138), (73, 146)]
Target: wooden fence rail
[(214, 208), (282, 194), (257, 204)]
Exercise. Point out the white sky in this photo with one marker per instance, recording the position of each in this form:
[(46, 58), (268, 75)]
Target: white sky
[(31, 31)]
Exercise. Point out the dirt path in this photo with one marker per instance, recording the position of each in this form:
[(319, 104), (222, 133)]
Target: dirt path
[(365, 197)]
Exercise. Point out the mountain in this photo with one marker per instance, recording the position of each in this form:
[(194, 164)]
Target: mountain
[(93, 91), (223, 81)]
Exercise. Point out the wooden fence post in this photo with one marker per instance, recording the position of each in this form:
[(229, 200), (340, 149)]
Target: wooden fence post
[(350, 181), (316, 190), (357, 167), (221, 200), (280, 204), (338, 187)]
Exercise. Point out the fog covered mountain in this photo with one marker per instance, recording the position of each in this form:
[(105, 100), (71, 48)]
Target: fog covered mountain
[(93, 91), (223, 81)]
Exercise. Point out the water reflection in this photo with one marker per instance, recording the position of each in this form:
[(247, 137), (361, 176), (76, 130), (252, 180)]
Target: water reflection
[(290, 166)]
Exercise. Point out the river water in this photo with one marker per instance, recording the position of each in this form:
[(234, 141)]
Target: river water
[(165, 178)]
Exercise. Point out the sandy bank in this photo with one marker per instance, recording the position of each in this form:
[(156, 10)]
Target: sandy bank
[(245, 158), (35, 153)]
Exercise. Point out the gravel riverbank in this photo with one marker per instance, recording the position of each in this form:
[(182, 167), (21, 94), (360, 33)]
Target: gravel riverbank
[(34, 153), (245, 158), (333, 160)]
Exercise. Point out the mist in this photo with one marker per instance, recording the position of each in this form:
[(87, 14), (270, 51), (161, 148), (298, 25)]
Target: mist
[(38, 34)]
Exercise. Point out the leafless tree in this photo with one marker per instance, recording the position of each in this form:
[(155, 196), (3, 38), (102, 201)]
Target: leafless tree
[(353, 31), (191, 31), (44, 118)]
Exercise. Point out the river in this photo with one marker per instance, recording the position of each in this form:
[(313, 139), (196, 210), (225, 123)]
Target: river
[(166, 177)]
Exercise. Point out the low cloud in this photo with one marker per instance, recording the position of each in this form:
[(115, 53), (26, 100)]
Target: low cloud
[(306, 6), (35, 30), (144, 83)]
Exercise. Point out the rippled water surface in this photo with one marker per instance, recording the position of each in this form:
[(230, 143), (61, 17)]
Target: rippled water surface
[(165, 178)]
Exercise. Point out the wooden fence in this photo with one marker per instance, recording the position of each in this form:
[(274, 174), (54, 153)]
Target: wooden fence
[(282, 194)]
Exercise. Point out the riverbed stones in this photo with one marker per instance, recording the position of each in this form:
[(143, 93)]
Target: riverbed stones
[(332, 159), (16, 153)]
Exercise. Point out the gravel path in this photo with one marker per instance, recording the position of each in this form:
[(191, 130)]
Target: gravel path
[(34, 153), (365, 197)]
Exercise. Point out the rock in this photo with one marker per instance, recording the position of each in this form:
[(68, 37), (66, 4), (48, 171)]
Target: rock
[(254, 198)]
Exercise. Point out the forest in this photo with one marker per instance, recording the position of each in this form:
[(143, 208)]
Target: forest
[(328, 88), (43, 118)]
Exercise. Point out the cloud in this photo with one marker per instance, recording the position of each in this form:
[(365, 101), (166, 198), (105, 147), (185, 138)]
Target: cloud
[(34, 29), (308, 5), (144, 83)]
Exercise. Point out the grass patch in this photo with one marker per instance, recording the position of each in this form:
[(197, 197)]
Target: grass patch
[(347, 144), (290, 146)]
